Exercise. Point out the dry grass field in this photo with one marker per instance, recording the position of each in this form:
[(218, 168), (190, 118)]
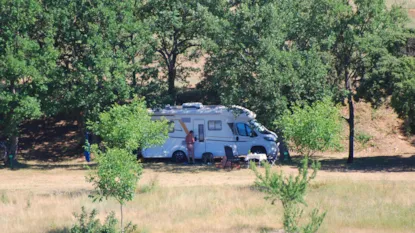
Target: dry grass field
[(361, 198)]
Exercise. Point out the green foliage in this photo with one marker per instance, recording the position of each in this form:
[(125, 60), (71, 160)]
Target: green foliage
[(116, 175), (363, 138), (312, 128), (403, 97), (290, 191), (255, 66), (100, 43), (88, 223), (129, 127), (123, 128), (27, 59), (180, 29)]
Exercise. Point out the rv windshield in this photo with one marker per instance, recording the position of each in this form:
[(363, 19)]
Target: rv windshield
[(258, 126)]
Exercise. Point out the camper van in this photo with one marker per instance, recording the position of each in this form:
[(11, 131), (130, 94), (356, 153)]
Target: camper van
[(214, 128)]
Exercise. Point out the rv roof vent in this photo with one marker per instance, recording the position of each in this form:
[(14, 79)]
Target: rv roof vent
[(196, 105)]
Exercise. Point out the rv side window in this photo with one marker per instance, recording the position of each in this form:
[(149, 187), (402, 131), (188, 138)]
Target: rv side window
[(244, 130), (241, 129), (214, 125)]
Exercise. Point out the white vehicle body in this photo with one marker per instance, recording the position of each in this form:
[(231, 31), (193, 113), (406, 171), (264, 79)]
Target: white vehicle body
[(214, 128)]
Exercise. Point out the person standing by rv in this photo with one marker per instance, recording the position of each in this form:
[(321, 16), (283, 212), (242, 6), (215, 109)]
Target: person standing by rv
[(190, 141)]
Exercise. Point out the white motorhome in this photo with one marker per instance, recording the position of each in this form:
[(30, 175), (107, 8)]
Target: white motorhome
[(214, 127)]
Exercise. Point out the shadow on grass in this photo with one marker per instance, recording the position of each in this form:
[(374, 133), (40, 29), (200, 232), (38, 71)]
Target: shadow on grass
[(387, 163), (48, 166)]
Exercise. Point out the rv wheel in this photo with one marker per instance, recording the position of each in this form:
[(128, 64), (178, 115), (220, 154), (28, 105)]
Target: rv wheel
[(207, 157), (179, 156)]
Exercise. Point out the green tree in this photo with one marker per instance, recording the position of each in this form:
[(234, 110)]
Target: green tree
[(364, 37), (290, 191), (366, 33), (101, 45), (27, 58), (277, 52), (116, 176), (256, 65), (403, 97), (312, 128), (180, 31), (123, 129)]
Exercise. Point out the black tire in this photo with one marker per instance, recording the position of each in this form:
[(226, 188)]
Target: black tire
[(179, 157), (207, 157), (258, 150)]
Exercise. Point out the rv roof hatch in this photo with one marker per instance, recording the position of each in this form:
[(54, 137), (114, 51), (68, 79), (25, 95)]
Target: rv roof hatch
[(195, 105)]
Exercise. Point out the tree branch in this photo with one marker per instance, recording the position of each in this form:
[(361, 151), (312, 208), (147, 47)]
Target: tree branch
[(166, 60)]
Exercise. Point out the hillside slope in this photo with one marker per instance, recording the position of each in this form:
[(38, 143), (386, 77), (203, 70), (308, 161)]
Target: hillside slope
[(378, 132)]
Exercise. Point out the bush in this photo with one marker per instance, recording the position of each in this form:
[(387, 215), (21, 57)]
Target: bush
[(314, 128), (89, 223)]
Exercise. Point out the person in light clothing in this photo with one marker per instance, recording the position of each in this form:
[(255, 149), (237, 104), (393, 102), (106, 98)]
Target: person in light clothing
[(190, 141)]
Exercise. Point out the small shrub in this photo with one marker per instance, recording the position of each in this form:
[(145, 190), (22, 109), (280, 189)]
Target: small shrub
[(4, 198), (363, 138), (290, 191), (89, 223)]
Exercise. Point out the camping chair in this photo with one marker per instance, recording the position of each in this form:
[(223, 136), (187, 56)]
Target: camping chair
[(230, 157), (273, 158)]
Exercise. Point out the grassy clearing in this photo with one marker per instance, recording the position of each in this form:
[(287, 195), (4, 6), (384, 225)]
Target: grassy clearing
[(208, 201)]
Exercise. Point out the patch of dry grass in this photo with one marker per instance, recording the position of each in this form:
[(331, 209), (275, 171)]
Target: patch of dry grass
[(207, 201)]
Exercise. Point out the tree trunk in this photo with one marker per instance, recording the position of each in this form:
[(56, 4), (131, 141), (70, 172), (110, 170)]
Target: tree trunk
[(13, 149), (351, 129), (134, 81), (172, 78), (351, 116), (122, 227)]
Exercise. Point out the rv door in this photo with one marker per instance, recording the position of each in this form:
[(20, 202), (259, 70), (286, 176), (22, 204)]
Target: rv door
[(200, 134)]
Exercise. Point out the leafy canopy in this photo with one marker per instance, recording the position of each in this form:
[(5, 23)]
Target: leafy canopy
[(27, 59), (312, 128), (256, 65), (99, 43), (180, 30), (130, 127), (116, 176)]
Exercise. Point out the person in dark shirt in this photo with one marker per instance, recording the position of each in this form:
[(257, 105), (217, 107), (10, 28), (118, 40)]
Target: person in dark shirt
[(190, 141)]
